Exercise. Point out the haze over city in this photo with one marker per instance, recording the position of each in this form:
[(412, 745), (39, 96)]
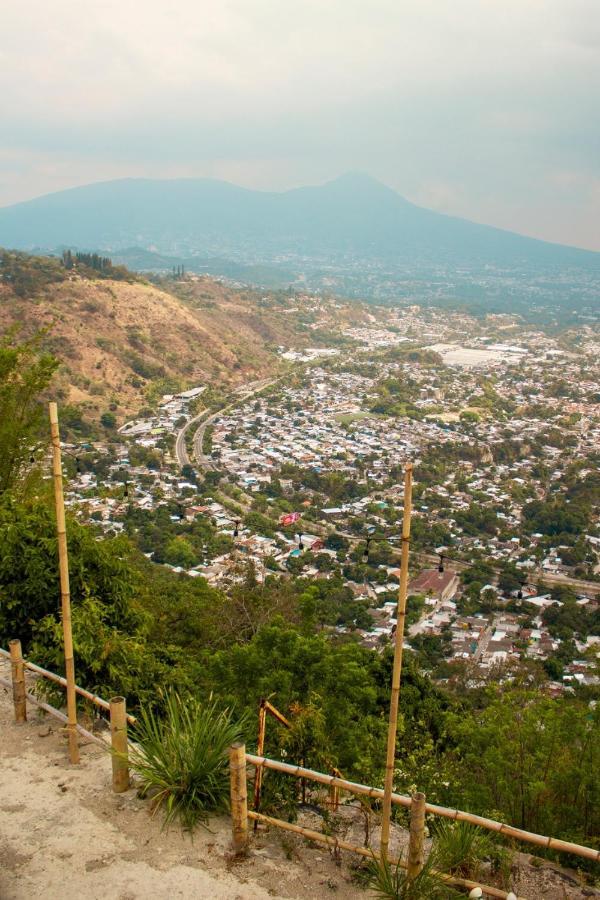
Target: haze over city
[(479, 110)]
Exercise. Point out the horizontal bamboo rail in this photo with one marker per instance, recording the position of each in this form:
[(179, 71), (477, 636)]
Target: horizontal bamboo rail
[(58, 679), (338, 844), (310, 834), (353, 787), (57, 714), (117, 709)]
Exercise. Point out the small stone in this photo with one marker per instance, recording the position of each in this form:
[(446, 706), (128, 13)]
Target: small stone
[(476, 893), (45, 730)]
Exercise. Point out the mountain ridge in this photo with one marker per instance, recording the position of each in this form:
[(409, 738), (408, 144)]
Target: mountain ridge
[(353, 214)]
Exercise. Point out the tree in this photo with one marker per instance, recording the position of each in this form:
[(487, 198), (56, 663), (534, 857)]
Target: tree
[(555, 516), (351, 681), (108, 420), (29, 581), (25, 373), (336, 541), (533, 760), (189, 473), (180, 552)]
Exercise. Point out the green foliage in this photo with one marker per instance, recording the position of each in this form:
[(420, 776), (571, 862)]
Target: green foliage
[(469, 417), (182, 757), (180, 552), (555, 516), (477, 519), (563, 621), (533, 759), (29, 275), (29, 581), (420, 355), (308, 737), (94, 264), (395, 397), (143, 366), (336, 541), (110, 626), (25, 372), (259, 524), (335, 486), (352, 682)]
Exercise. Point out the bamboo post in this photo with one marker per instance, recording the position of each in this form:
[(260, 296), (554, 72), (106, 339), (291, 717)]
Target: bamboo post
[(334, 791), (65, 595), (416, 851), (18, 681), (118, 741), (260, 750), (239, 798), (397, 668)]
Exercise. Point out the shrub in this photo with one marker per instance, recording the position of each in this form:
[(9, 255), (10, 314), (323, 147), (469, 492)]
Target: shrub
[(460, 848), (391, 882), (182, 757)]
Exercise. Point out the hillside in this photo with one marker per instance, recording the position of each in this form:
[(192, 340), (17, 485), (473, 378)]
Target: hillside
[(352, 216), (122, 341)]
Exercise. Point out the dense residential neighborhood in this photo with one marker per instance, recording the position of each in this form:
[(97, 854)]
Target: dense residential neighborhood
[(302, 477)]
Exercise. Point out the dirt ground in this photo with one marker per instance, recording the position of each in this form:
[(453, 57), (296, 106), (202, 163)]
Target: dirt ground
[(64, 835)]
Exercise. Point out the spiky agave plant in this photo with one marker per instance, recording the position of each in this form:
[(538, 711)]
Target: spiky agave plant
[(392, 883), (181, 756), (461, 848)]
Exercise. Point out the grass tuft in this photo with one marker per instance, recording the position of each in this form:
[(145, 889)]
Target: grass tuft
[(391, 882), (181, 758)]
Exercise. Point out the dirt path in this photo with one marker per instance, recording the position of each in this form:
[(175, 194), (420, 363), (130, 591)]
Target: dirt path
[(64, 835)]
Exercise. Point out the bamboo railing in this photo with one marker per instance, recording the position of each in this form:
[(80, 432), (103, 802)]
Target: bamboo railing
[(416, 856), (239, 760), (58, 679), (55, 713), (548, 843), (116, 708), (338, 844)]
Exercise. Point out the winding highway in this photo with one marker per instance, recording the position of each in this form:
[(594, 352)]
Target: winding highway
[(183, 457), (206, 418)]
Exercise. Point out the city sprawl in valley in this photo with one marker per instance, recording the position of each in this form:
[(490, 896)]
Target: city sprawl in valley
[(300, 477)]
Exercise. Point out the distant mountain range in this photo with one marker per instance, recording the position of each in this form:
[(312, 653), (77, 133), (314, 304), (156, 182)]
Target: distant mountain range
[(343, 222), (351, 237)]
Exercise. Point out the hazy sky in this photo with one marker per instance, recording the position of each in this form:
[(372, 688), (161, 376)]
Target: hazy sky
[(489, 109)]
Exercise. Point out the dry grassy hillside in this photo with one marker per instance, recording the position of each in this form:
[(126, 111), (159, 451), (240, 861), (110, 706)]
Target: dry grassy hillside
[(121, 341), (116, 339)]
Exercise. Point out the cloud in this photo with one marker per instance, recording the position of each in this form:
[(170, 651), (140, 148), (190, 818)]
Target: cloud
[(488, 101)]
